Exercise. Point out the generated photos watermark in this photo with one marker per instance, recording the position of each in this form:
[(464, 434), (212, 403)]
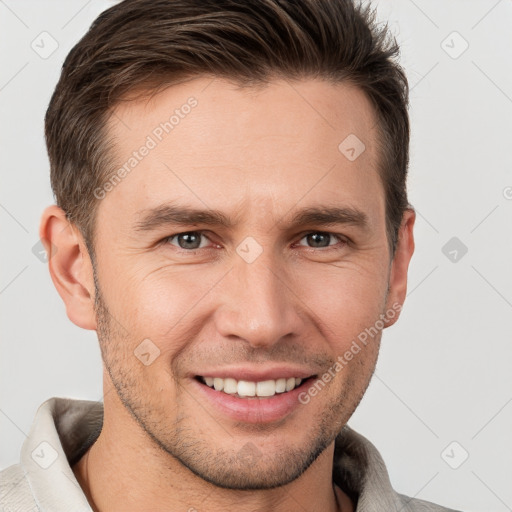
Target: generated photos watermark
[(152, 141), (356, 346)]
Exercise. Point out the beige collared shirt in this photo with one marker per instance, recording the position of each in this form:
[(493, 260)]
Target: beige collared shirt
[(64, 429)]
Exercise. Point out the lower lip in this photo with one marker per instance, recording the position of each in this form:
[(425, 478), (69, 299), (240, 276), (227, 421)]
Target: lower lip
[(253, 409)]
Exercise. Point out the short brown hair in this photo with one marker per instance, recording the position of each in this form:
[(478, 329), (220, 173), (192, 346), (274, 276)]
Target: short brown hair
[(150, 44)]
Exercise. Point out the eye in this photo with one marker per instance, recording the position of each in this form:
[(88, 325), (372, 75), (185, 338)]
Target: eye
[(193, 240), (320, 239), (189, 240)]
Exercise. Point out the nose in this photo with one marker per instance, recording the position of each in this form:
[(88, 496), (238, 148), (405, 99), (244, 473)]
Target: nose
[(258, 303)]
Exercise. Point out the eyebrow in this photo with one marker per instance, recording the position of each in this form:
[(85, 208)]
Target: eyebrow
[(170, 214)]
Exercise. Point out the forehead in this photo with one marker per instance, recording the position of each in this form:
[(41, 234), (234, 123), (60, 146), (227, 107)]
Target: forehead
[(209, 143)]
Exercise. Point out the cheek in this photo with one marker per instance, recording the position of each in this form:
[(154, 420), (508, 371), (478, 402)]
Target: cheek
[(347, 299), (162, 304)]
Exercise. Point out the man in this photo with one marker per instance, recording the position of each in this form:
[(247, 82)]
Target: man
[(232, 220)]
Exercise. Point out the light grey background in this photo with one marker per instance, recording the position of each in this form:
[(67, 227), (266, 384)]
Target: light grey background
[(444, 373)]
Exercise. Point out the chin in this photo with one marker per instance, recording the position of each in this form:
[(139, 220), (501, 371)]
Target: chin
[(249, 468)]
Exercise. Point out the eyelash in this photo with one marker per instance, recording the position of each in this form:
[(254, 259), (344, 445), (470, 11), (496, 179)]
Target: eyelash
[(344, 241)]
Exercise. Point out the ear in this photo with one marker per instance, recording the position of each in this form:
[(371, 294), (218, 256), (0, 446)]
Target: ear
[(70, 266), (399, 266)]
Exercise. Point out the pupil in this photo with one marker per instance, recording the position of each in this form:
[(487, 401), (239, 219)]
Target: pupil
[(317, 237), (187, 237)]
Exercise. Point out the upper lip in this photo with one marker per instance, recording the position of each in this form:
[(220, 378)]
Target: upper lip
[(252, 374)]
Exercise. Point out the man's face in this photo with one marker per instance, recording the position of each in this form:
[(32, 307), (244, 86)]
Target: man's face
[(260, 298)]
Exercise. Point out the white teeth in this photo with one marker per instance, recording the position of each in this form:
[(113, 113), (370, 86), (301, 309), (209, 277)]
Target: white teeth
[(230, 386), (266, 388), (245, 388), (280, 385)]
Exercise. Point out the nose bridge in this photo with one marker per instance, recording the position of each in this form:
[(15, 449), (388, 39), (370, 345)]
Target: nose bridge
[(257, 304)]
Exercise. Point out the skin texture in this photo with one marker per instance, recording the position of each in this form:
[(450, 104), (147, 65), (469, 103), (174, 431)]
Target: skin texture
[(257, 155)]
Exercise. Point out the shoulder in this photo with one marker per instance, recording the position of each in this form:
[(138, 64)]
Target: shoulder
[(416, 505), (359, 469), (15, 492)]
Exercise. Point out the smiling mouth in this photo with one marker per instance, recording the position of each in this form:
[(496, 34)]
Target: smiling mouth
[(249, 389)]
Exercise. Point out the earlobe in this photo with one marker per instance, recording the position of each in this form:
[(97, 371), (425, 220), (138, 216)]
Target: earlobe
[(70, 266), (399, 266)]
